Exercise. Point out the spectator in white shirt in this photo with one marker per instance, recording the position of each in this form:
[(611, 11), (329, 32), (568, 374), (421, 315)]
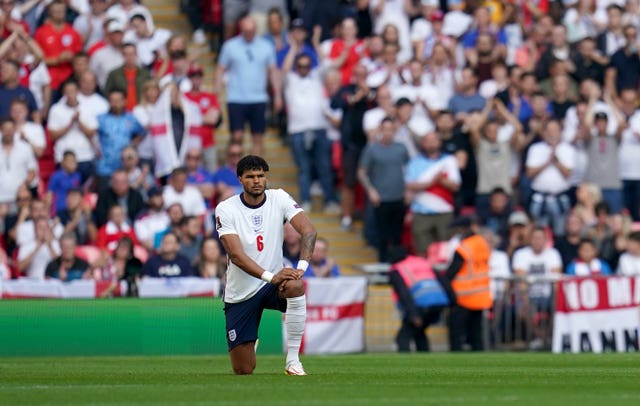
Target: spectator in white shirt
[(27, 131), (109, 57), (35, 255), (89, 25), (629, 263), (72, 126), (18, 165), (304, 94), (189, 197), (152, 221), (149, 41), (549, 166)]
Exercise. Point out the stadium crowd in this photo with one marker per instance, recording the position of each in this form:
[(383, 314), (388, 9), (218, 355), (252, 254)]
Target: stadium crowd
[(404, 112)]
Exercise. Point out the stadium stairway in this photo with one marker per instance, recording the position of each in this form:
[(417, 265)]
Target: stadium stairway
[(348, 248)]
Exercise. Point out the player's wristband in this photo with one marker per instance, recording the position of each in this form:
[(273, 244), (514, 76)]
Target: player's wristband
[(266, 276), (303, 265)]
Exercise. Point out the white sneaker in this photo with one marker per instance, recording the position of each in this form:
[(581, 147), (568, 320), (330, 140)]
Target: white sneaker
[(199, 37), (332, 208), (294, 368), (346, 224), (316, 189)]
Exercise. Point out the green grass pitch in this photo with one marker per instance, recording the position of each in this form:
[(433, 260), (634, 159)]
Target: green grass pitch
[(371, 379)]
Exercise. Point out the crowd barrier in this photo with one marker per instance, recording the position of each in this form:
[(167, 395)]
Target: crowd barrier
[(556, 313)]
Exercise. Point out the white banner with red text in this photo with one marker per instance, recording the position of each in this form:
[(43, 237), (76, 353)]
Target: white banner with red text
[(86, 289), (597, 315), (335, 315)]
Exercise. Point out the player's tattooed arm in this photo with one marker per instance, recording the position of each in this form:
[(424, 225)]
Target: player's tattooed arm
[(303, 225)]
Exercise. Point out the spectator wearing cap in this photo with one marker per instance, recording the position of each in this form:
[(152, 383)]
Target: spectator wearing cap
[(298, 39), (89, 25), (11, 89), (76, 217), (129, 78), (63, 180), (59, 42), (180, 72), (72, 127), (109, 57), (211, 118), (518, 233), (603, 156), (249, 63), (152, 221), (149, 41), (118, 192), (188, 196), (311, 149), (116, 129)]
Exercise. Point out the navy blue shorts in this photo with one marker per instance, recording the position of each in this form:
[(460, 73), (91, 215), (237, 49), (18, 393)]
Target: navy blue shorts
[(243, 319), (254, 113)]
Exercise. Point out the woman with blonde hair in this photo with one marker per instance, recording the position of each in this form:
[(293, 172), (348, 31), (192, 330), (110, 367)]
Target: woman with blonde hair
[(588, 195)]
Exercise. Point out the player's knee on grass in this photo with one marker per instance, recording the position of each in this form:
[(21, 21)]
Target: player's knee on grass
[(243, 358)]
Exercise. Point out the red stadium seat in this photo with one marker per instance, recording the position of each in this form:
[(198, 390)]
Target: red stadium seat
[(89, 253)]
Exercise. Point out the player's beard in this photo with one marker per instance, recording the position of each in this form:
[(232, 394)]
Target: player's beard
[(254, 194)]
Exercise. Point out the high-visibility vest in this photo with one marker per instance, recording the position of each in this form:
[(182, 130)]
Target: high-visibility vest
[(471, 284), (418, 276)]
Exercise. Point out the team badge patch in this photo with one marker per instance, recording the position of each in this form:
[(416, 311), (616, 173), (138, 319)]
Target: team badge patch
[(256, 220), (232, 335)]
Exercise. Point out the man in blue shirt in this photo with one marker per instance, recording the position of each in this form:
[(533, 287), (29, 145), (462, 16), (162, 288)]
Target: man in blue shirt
[(168, 263), (248, 62), (11, 89), (116, 129)]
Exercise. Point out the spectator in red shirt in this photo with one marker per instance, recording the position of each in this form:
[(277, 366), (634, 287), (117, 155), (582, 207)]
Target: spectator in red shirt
[(11, 25), (346, 52), (210, 109), (116, 228), (59, 42)]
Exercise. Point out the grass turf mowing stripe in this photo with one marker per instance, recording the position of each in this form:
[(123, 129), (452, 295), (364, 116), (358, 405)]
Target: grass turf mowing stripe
[(368, 379)]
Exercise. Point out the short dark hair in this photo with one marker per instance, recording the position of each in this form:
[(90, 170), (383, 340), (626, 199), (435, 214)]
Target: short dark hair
[(251, 162), (68, 152), (602, 207), (498, 191), (181, 170), (586, 240)]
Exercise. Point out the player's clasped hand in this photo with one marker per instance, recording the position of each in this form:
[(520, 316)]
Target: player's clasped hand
[(287, 274)]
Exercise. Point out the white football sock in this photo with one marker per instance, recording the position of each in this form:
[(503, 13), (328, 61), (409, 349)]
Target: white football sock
[(295, 320)]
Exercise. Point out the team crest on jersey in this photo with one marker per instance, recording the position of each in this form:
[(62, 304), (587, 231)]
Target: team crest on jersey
[(66, 40), (232, 335), (256, 220)]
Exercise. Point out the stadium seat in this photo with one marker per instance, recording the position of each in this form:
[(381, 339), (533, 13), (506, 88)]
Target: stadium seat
[(89, 253)]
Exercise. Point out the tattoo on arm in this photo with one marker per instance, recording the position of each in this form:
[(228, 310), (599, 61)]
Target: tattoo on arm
[(308, 243)]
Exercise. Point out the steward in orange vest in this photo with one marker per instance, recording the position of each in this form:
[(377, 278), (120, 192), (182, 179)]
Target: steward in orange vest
[(467, 283), (418, 295)]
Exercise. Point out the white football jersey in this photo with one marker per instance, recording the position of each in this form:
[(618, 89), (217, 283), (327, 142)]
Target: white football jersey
[(260, 229)]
